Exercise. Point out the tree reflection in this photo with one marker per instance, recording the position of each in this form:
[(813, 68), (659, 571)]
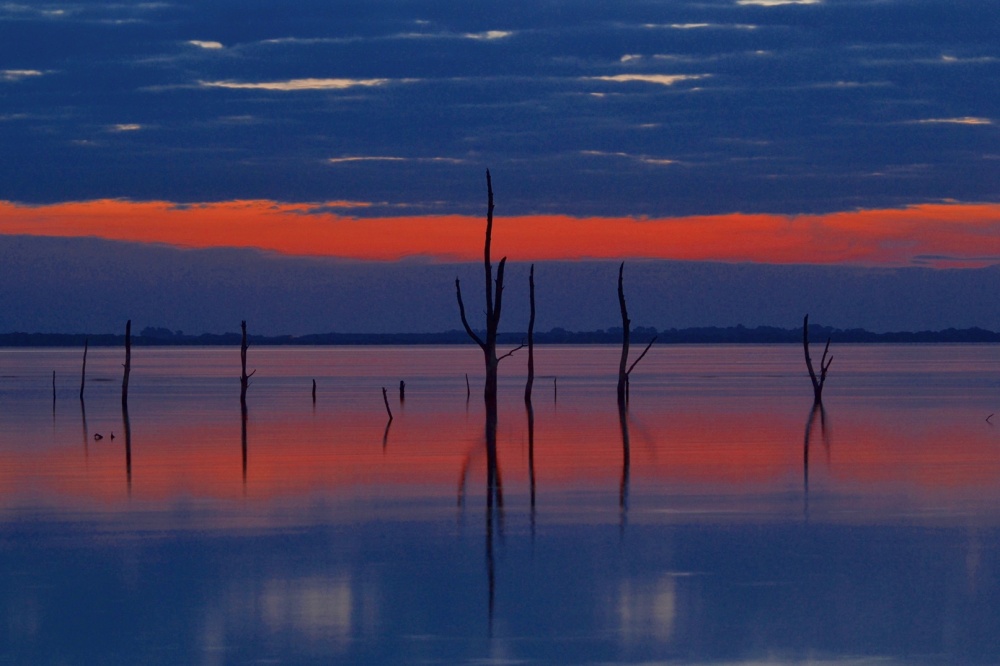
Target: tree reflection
[(127, 427), (626, 462), (531, 460), (817, 410), (86, 435), (494, 502), (243, 439)]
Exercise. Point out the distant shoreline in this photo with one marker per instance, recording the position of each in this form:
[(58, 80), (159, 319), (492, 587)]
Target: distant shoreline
[(705, 335)]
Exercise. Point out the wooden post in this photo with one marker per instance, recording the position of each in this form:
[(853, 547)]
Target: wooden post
[(128, 363), (402, 391)]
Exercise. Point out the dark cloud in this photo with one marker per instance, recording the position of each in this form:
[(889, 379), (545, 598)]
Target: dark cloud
[(88, 285), (788, 108)]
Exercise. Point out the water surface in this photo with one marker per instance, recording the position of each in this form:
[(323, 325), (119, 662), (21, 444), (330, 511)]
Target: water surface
[(722, 521)]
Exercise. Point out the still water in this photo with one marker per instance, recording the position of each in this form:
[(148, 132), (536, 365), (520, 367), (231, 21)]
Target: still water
[(722, 521)]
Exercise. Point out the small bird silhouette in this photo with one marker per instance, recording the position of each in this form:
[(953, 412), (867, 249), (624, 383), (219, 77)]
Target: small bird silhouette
[(98, 436)]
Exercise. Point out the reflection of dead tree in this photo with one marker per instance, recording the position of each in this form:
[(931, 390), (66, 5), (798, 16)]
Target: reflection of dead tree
[(824, 363), (494, 495), (127, 425), (494, 296), (626, 464), (817, 408), (623, 371), (531, 459), (531, 342), (243, 441)]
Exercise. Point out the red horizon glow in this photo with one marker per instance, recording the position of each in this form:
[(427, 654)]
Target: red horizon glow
[(942, 235)]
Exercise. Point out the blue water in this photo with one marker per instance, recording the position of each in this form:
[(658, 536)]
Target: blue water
[(347, 542)]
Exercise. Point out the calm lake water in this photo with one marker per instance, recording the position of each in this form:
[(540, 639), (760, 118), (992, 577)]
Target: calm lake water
[(722, 522)]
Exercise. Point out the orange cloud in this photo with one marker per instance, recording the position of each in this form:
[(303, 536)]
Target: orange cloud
[(938, 234)]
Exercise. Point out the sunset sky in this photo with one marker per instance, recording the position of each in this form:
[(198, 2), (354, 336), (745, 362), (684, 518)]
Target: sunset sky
[(343, 138)]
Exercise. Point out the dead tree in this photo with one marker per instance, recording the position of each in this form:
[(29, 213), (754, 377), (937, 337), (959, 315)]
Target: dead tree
[(824, 364), (625, 370), (531, 337), (244, 377), (494, 296), (385, 399), (623, 363), (83, 373), (128, 363)]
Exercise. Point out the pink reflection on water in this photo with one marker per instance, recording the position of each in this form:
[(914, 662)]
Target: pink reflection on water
[(708, 421)]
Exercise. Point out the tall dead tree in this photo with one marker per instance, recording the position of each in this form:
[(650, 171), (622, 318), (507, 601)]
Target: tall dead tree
[(624, 370), (128, 363), (824, 364), (494, 298), (244, 377), (623, 363), (531, 337), (83, 372)]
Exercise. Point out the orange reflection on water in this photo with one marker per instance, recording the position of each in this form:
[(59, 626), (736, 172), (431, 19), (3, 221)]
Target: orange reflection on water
[(689, 446)]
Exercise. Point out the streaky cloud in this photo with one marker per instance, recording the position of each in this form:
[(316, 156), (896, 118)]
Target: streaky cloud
[(776, 3), (659, 79), (347, 159), (18, 74), (292, 85), (211, 46), (964, 120)]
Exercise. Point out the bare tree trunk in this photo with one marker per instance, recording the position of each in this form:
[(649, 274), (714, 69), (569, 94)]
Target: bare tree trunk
[(625, 370), (385, 399), (824, 364), (494, 298), (623, 363), (128, 363), (83, 373), (244, 377), (531, 337)]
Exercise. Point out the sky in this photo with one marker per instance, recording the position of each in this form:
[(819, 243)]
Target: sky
[(843, 154)]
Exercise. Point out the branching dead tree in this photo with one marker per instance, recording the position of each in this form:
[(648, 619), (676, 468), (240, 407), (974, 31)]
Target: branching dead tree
[(624, 370), (494, 302), (824, 364)]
